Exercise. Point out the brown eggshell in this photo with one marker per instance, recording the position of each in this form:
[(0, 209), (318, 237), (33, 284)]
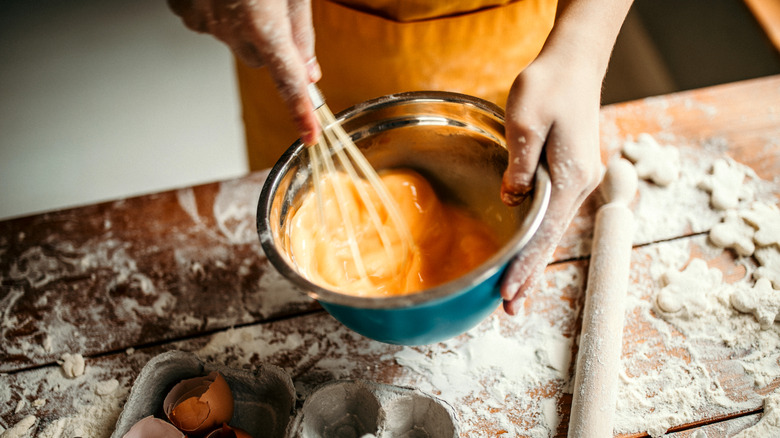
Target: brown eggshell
[(199, 405), (227, 431), (155, 427)]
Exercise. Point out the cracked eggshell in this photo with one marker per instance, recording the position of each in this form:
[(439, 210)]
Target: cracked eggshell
[(200, 404), (264, 399), (151, 426)]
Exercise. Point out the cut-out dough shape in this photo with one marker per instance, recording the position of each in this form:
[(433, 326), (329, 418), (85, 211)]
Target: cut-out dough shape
[(685, 292), (725, 184), (660, 164), (769, 259), (734, 233), (760, 300), (766, 218)]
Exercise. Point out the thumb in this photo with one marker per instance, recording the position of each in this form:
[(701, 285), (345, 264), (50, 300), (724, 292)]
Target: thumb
[(525, 148)]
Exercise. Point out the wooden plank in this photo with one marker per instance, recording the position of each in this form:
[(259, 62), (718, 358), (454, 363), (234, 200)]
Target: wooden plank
[(137, 271)]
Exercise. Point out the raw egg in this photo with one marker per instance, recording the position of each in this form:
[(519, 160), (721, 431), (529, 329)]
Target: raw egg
[(199, 405), (155, 427)]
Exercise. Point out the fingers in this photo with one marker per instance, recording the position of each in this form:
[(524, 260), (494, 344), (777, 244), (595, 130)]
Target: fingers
[(525, 136), (525, 271), (303, 35), (574, 175), (280, 48)]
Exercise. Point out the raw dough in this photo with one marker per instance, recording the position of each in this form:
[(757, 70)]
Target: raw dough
[(734, 233), (20, 429), (760, 300), (72, 365), (769, 259), (685, 292), (766, 218), (725, 184), (660, 164)]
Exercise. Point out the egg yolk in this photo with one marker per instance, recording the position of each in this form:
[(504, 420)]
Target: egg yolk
[(447, 242)]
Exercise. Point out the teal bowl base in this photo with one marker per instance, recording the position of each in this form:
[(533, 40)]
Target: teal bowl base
[(426, 323)]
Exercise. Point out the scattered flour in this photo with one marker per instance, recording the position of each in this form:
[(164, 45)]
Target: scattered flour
[(689, 311), (106, 387)]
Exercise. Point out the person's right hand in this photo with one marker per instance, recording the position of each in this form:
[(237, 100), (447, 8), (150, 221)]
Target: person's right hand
[(277, 34)]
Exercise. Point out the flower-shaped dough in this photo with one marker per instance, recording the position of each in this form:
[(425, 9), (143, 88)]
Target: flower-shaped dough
[(686, 293), (660, 164), (769, 259), (766, 218), (760, 300), (734, 233), (725, 184)]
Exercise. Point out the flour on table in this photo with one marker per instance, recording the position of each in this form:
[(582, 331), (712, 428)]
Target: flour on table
[(766, 218), (106, 387), (689, 381), (685, 293), (660, 164), (725, 184), (72, 365), (769, 259), (769, 424), (734, 233)]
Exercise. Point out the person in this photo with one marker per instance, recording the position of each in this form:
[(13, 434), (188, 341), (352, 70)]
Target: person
[(544, 60)]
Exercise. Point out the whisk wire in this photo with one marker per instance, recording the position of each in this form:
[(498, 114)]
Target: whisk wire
[(334, 141)]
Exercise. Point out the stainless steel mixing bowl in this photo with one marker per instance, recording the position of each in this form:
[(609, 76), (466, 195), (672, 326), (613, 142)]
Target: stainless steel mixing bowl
[(456, 142)]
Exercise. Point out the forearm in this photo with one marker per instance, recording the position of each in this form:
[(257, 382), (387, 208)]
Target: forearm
[(587, 29)]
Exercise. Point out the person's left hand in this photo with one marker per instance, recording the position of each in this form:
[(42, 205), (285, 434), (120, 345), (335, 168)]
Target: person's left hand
[(553, 109)]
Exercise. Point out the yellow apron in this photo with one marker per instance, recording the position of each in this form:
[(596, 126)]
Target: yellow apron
[(395, 48)]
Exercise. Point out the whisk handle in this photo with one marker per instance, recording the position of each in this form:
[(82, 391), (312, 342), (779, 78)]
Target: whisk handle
[(315, 95)]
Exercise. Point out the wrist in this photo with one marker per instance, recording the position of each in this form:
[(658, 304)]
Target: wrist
[(585, 32)]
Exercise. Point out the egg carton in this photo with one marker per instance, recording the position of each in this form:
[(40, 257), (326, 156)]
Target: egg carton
[(265, 403)]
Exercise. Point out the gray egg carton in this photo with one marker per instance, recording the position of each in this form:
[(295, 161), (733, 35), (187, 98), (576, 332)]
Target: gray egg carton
[(265, 403)]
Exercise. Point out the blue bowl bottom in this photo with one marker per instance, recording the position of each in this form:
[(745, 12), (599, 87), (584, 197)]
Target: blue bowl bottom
[(427, 323)]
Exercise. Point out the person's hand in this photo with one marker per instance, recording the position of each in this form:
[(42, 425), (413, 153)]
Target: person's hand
[(277, 34), (553, 109)]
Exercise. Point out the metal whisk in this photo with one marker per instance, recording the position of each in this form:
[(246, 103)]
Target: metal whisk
[(336, 152)]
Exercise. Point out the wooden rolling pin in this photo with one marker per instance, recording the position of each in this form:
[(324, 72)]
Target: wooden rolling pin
[(598, 359)]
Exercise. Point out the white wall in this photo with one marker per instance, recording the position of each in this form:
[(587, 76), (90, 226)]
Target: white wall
[(107, 99)]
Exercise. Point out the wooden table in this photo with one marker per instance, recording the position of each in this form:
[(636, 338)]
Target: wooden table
[(120, 282)]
